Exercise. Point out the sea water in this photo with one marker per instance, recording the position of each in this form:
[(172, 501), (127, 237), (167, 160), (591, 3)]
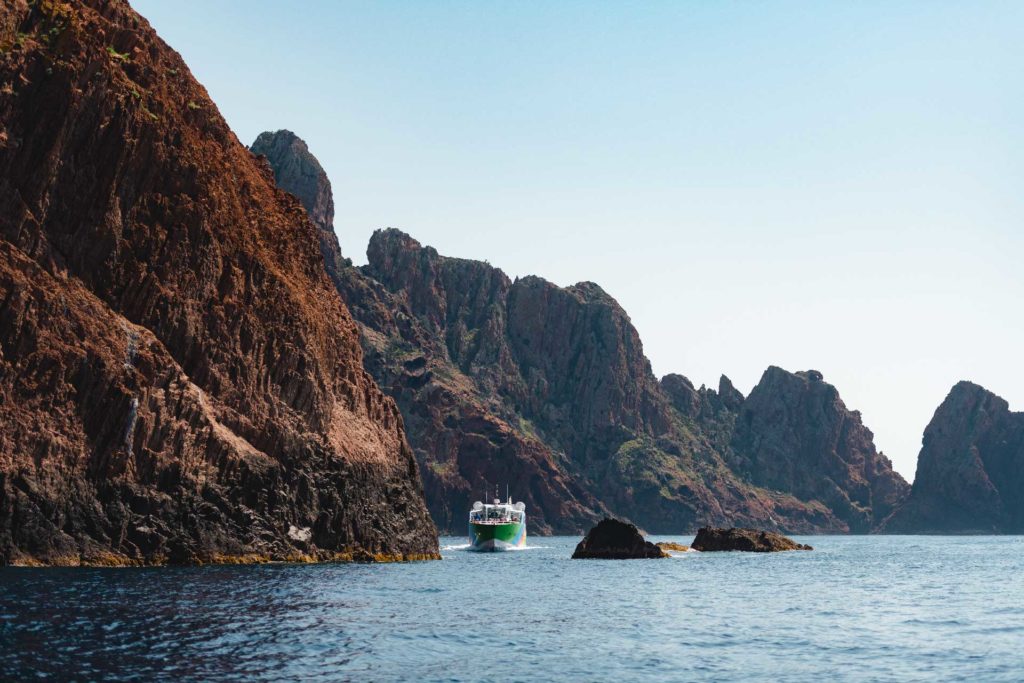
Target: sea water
[(874, 608)]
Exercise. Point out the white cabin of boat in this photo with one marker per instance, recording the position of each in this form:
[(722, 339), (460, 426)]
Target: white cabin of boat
[(498, 512)]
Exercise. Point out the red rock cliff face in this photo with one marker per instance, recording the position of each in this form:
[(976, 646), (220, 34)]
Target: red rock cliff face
[(605, 384), (970, 473), (564, 370), (179, 382), (793, 433), (548, 389), (467, 438)]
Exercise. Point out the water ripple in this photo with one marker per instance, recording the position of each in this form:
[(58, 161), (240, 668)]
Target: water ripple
[(855, 609)]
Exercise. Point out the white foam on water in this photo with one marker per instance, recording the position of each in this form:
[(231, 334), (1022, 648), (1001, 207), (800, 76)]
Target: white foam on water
[(462, 546), (467, 546)]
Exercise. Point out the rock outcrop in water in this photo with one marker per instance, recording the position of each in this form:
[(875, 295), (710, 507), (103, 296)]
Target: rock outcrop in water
[(179, 381), (613, 539), (970, 473), (743, 540), (547, 388)]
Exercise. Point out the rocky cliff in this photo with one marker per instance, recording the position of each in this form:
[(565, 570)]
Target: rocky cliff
[(465, 436), (793, 433), (547, 388), (564, 368), (179, 381), (970, 473)]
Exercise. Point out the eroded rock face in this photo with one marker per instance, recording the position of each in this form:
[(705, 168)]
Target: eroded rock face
[(613, 539), (565, 368), (465, 436), (297, 171), (546, 388), (743, 540), (970, 473), (793, 433), (179, 381)]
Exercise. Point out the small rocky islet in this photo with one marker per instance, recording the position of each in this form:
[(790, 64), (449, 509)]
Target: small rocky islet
[(710, 539), (614, 539)]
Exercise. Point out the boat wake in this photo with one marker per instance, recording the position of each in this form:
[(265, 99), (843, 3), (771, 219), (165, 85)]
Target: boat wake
[(461, 546), (466, 546)]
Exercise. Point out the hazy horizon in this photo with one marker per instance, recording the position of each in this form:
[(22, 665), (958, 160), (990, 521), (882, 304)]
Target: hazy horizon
[(835, 187)]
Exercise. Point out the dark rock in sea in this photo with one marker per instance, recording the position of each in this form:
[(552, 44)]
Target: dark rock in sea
[(613, 539), (297, 171), (793, 433), (745, 540), (970, 472), (179, 380)]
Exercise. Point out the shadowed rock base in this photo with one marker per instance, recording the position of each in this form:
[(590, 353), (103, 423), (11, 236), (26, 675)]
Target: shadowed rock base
[(613, 539), (744, 540)]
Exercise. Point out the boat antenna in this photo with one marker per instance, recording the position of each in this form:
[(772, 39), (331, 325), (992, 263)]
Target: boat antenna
[(507, 496)]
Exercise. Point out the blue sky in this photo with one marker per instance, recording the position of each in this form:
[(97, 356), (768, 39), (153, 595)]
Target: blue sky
[(837, 186)]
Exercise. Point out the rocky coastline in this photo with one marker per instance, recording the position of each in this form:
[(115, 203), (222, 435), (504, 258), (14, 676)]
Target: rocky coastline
[(191, 372), (495, 379), (180, 382)]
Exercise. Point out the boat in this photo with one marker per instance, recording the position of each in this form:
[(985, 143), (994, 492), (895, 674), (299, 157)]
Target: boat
[(498, 526)]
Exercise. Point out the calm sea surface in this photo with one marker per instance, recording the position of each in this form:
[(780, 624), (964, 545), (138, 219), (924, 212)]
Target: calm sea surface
[(856, 608)]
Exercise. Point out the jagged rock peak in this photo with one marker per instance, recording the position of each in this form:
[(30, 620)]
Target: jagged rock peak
[(681, 394), (594, 293), (730, 396), (794, 433), (388, 244), (297, 171), (970, 472), (548, 386)]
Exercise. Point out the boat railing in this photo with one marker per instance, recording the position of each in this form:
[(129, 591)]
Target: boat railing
[(489, 516)]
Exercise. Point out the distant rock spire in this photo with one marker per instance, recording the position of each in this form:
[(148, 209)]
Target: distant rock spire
[(970, 473), (794, 433), (297, 171)]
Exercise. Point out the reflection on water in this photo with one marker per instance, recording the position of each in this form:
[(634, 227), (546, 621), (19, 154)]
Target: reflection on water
[(856, 608)]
